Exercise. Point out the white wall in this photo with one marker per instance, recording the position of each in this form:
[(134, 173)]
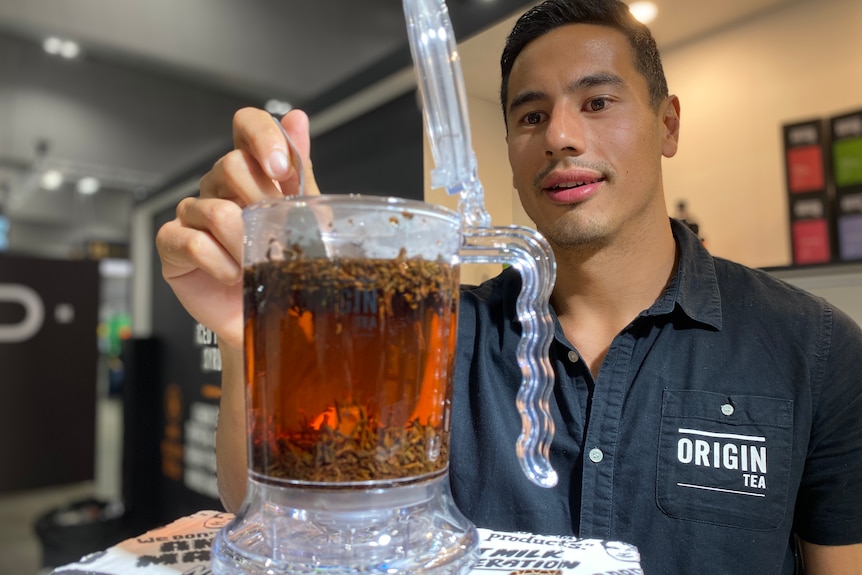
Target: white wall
[(737, 88)]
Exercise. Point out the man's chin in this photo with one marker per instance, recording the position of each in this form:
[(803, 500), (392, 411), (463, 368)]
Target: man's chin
[(575, 234)]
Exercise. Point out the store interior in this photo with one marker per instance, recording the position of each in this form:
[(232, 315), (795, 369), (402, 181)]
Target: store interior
[(97, 147)]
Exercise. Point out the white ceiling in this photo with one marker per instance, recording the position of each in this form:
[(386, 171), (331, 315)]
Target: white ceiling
[(154, 93)]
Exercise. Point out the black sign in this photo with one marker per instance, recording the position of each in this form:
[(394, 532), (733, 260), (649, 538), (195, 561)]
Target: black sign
[(49, 354)]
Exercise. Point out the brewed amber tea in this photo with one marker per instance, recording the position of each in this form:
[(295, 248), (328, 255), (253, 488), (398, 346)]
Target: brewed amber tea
[(348, 364)]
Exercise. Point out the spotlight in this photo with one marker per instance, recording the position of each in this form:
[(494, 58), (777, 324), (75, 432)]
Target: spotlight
[(88, 186), (70, 50), (51, 180), (59, 47), (644, 12), (52, 45)]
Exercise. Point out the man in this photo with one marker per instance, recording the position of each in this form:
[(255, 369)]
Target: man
[(705, 412)]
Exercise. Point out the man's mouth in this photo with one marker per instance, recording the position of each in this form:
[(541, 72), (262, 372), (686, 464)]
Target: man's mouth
[(571, 185), (572, 188)]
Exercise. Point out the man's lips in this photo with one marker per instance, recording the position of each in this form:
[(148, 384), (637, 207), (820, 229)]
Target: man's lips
[(571, 186)]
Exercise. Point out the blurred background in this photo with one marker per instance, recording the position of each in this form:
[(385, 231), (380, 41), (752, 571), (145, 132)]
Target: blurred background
[(104, 102), (111, 110)]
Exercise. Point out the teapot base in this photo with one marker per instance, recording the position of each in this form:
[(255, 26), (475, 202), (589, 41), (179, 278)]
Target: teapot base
[(413, 528)]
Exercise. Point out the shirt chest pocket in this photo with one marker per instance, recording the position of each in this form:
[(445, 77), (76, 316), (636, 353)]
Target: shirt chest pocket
[(724, 460)]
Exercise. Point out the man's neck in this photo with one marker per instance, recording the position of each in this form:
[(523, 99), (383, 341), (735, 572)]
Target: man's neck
[(600, 291)]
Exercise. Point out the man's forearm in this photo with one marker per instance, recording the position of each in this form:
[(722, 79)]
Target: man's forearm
[(832, 560)]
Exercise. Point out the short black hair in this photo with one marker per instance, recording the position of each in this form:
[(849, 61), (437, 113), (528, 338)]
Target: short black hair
[(552, 14)]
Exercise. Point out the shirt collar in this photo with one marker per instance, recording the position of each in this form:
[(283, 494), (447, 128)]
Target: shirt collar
[(694, 287)]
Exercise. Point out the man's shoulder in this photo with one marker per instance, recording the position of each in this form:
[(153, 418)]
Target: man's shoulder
[(495, 290), (493, 302), (758, 295), (748, 285)]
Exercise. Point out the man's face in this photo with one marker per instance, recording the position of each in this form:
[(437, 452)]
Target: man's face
[(585, 145)]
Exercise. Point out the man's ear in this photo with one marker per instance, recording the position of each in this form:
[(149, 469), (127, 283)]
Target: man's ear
[(670, 119)]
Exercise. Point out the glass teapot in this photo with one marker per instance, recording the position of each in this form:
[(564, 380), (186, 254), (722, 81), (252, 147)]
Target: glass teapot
[(351, 309)]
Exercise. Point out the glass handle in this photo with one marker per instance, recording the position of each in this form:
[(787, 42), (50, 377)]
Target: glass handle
[(528, 252)]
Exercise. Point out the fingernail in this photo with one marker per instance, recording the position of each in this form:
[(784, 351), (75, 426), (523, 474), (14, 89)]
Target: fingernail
[(278, 164)]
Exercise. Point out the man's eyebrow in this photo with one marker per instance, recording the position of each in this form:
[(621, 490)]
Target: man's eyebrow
[(593, 80), (525, 97), (588, 81)]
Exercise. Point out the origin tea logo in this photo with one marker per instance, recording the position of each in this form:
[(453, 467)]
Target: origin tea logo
[(745, 454)]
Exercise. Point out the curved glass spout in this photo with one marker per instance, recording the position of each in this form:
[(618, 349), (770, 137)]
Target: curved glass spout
[(441, 84), (528, 252)]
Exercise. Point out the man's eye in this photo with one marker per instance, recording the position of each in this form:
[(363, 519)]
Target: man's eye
[(597, 104), (533, 118)]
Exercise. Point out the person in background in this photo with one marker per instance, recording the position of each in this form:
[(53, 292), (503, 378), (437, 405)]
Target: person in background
[(705, 412)]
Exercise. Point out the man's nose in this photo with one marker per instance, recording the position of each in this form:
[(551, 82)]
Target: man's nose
[(565, 133)]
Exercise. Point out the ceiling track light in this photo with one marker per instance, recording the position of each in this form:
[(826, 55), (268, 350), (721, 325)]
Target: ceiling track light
[(60, 47), (644, 12), (87, 186), (51, 180)]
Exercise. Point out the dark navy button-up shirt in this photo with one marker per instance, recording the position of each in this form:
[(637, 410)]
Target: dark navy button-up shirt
[(726, 418)]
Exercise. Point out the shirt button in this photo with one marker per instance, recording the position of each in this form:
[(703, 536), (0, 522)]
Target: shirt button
[(727, 409), (573, 356), (596, 455)]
